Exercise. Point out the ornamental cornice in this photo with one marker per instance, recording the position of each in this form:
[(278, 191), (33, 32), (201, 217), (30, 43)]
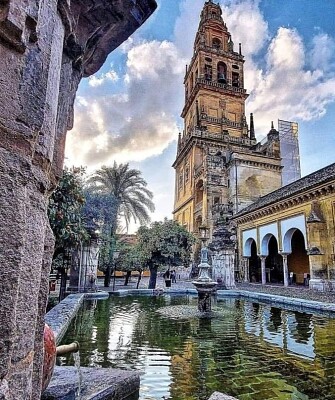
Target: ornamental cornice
[(256, 163), (204, 138)]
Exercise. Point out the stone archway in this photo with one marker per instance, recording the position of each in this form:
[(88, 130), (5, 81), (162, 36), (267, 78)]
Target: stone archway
[(272, 267), (274, 262), (255, 274), (297, 259)]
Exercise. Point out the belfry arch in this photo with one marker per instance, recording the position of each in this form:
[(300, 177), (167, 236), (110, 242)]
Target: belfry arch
[(222, 72)]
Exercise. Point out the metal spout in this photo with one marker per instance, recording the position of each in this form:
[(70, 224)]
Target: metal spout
[(67, 348)]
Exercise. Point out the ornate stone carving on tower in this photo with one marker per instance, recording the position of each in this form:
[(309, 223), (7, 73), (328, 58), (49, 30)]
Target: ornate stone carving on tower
[(220, 167)]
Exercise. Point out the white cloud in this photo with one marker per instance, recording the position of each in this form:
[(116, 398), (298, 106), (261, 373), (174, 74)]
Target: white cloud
[(287, 89), (286, 51), (247, 25), (323, 52), (137, 123), (154, 60), (95, 81)]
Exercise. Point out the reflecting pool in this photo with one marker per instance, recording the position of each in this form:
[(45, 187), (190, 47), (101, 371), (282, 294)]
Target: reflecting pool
[(249, 350)]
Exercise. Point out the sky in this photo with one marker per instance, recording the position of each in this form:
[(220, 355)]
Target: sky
[(129, 111)]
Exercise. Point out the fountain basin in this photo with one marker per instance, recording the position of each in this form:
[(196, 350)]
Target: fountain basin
[(251, 349)]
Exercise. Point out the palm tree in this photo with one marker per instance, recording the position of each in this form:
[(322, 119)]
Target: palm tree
[(131, 198)]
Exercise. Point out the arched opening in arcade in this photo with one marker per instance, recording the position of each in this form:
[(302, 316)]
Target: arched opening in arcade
[(255, 273), (274, 263), (297, 260)]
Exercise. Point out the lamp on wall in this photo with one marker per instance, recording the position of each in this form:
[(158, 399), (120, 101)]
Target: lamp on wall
[(204, 233)]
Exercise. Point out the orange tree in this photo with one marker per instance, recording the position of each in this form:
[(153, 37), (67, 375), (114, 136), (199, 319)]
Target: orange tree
[(65, 211), (66, 220), (164, 244)]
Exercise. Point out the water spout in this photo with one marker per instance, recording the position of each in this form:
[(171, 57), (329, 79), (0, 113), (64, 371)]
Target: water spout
[(67, 348), (76, 357)]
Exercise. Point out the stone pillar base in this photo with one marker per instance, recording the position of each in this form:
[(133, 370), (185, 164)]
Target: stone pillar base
[(322, 285)]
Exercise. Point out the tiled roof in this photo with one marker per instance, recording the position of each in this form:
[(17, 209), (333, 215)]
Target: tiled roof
[(316, 178)]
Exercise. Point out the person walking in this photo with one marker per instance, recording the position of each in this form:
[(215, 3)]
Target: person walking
[(167, 278)]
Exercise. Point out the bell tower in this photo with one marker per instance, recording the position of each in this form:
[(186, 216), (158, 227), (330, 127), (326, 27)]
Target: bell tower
[(220, 167), (214, 82)]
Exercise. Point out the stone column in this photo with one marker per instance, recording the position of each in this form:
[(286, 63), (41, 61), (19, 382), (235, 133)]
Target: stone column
[(45, 49), (263, 258), (285, 269), (246, 269)]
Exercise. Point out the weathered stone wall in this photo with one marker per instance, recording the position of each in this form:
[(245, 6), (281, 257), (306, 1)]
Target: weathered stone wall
[(45, 49)]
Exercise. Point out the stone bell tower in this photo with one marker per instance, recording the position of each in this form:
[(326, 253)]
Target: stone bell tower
[(220, 167)]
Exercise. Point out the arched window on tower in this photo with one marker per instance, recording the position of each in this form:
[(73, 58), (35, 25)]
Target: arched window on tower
[(208, 72), (222, 72), (216, 43), (235, 79)]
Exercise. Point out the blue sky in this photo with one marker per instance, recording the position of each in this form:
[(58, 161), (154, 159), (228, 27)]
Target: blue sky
[(129, 110)]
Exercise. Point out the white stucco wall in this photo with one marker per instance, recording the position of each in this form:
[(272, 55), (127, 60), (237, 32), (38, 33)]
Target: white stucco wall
[(265, 233), (247, 237), (288, 227)]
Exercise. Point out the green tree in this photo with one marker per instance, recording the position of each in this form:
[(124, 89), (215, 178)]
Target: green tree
[(164, 244), (131, 200), (98, 213), (66, 220), (65, 211), (130, 258)]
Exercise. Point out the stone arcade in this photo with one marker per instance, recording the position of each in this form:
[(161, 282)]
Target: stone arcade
[(287, 236), (46, 47)]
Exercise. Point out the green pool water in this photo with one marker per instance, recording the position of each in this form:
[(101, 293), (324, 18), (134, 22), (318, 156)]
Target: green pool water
[(249, 350)]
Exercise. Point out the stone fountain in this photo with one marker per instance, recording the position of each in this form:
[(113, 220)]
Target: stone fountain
[(204, 283)]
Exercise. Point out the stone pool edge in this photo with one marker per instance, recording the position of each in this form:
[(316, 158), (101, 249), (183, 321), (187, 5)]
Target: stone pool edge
[(97, 383), (303, 304), (60, 317)]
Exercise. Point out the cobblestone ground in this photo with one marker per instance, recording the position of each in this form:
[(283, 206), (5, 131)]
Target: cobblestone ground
[(292, 291)]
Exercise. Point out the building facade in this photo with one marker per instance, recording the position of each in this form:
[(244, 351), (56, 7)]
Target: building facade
[(220, 167), (288, 236)]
